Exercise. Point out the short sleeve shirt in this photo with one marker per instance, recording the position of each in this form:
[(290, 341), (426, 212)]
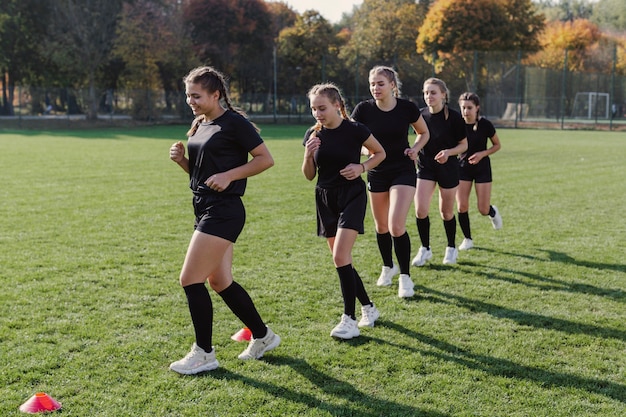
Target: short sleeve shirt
[(218, 146), (391, 129), (477, 140), (444, 134), (338, 148)]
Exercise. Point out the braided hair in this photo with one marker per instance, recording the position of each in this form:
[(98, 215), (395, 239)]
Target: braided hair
[(444, 89), (473, 97), (211, 80), (391, 75), (332, 92)]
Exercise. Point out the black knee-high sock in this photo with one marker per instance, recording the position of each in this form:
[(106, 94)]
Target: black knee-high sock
[(450, 226), (385, 246), (464, 222), (348, 289), (423, 228), (361, 294), (402, 245), (201, 309), (240, 303), (492, 211)]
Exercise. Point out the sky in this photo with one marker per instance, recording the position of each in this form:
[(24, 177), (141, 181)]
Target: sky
[(330, 9)]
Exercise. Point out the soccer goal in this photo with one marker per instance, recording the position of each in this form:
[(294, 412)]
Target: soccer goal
[(591, 105)]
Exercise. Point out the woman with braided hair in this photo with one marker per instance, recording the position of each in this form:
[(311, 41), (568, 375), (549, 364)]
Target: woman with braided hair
[(333, 153), (438, 165), (476, 167), (219, 142)]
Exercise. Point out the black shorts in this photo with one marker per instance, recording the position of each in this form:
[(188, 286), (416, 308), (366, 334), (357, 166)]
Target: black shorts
[(222, 216), (479, 173), (380, 182), (341, 207), (446, 175)]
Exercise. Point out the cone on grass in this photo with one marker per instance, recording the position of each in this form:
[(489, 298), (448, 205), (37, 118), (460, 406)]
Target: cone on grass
[(243, 335), (40, 402)]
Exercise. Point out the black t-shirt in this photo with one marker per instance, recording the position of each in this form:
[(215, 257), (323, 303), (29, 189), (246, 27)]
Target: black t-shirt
[(218, 146), (390, 128), (444, 134), (477, 140), (338, 148)]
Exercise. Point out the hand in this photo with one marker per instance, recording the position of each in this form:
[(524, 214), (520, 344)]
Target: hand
[(218, 182), (177, 152), (442, 156), (476, 158), (311, 146), (352, 171), (411, 153)]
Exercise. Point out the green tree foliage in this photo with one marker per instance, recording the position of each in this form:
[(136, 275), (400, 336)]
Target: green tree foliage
[(457, 26), (610, 15), (81, 35), (236, 37), (303, 50), (22, 31), (384, 33)]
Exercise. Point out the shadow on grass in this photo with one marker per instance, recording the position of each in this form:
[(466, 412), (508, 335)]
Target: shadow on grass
[(556, 284), (358, 403), (506, 368), (524, 318)]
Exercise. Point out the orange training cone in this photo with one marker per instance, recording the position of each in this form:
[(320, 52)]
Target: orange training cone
[(40, 402), (242, 335)]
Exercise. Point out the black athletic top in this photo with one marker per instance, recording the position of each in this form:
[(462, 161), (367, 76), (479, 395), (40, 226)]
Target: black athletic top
[(477, 140), (218, 146), (391, 129), (444, 134), (338, 148)]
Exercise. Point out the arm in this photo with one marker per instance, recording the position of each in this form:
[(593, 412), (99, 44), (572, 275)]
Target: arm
[(261, 160), (422, 135), (495, 147), (177, 154), (443, 155), (376, 156), (308, 164)]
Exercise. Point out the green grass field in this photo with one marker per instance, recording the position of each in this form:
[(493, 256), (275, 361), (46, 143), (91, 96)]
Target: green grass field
[(93, 230)]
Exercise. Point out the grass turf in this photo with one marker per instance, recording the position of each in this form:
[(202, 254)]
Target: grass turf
[(94, 227)]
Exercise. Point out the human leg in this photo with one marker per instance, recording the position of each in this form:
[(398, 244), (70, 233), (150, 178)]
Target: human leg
[(446, 209)]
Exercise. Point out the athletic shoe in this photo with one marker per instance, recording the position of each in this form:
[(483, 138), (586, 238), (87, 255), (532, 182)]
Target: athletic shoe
[(346, 329), (467, 244), (450, 257), (369, 314), (196, 361), (496, 220), (257, 347), (405, 286), (384, 280), (422, 256)]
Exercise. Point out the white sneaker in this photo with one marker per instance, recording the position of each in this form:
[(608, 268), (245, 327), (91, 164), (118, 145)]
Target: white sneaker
[(257, 347), (496, 220), (346, 329), (196, 361), (405, 286), (422, 256), (467, 244), (384, 280), (369, 314), (450, 257)]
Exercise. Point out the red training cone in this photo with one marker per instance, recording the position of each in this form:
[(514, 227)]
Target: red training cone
[(40, 402), (243, 335)]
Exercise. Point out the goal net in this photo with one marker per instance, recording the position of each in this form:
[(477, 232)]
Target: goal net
[(591, 105)]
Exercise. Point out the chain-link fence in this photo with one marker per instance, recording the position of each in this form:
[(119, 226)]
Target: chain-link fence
[(512, 94)]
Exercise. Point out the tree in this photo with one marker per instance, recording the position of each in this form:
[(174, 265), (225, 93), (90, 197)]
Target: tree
[(454, 27), (234, 36), (577, 37), (384, 33), (302, 50), (610, 15), (22, 32), (80, 40)]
